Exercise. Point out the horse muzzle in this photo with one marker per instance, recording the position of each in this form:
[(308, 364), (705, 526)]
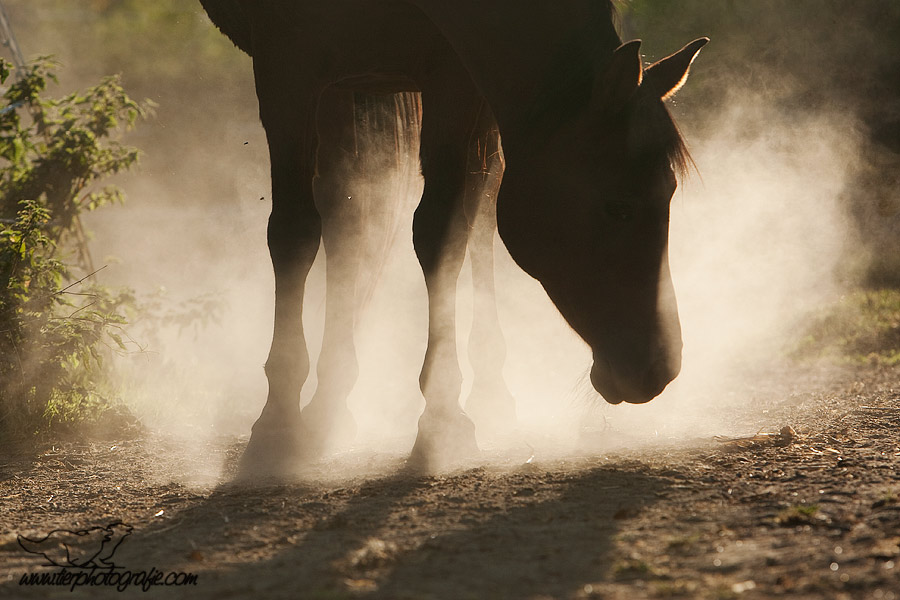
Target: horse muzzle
[(634, 383)]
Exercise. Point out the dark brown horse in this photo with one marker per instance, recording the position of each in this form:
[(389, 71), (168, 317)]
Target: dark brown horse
[(590, 153)]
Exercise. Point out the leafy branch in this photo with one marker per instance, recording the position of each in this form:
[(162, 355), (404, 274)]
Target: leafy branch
[(56, 327)]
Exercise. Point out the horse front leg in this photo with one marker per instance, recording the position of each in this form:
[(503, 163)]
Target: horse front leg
[(445, 433), (278, 439), (490, 403)]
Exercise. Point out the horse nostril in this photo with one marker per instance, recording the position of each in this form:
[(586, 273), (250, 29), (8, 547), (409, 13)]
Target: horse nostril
[(661, 372)]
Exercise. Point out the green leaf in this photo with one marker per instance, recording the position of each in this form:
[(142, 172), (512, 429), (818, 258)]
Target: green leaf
[(18, 150)]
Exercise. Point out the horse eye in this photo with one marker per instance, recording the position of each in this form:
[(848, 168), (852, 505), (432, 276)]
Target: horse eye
[(618, 210)]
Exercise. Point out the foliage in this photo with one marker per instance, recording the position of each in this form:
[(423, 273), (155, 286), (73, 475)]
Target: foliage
[(158, 311), (166, 50), (800, 514), (54, 327), (162, 41), (863, 327)]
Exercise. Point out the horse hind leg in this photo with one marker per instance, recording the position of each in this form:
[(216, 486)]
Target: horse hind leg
[(490, 403), (445, 433), (327, 417)]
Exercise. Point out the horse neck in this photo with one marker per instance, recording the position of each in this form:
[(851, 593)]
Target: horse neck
[(513, 50)]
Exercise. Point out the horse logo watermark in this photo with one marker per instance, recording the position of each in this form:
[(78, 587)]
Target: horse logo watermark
[(85, 558), (86, 548)]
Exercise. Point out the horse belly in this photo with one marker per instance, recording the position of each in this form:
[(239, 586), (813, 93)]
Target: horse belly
[(376, 46)]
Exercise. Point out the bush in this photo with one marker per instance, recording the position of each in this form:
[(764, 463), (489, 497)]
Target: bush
[(863, 327), (55, 326)]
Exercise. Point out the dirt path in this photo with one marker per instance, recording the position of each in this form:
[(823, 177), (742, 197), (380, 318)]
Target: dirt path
[(812, 513)]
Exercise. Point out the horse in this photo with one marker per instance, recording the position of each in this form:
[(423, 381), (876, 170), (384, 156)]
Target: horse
[(589, 161)]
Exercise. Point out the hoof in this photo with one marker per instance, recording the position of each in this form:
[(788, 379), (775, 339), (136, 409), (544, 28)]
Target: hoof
[(328, 426), (492, 407), (274, 453), (444, 440)]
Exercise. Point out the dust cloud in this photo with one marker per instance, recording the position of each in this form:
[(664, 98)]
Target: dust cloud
[(756, 238)]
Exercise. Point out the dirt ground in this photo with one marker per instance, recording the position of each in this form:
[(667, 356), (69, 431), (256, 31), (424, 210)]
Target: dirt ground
[(808, 506)]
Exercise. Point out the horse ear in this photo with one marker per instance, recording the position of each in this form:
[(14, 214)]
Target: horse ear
[(621, 80), (666, 76)]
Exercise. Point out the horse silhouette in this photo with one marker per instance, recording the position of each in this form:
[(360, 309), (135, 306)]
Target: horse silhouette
[(586, 173), (85, 548)]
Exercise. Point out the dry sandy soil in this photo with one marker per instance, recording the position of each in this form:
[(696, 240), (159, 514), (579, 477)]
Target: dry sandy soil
[(806, 512)]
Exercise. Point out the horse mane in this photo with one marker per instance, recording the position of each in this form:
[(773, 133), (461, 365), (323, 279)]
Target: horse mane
[(664, 128), (675, 146), (568, 85)]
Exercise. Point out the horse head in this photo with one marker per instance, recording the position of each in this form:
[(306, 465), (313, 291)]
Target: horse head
[(586, 212)]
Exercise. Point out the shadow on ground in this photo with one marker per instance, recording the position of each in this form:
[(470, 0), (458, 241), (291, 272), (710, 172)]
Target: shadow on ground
[(473, 534)]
